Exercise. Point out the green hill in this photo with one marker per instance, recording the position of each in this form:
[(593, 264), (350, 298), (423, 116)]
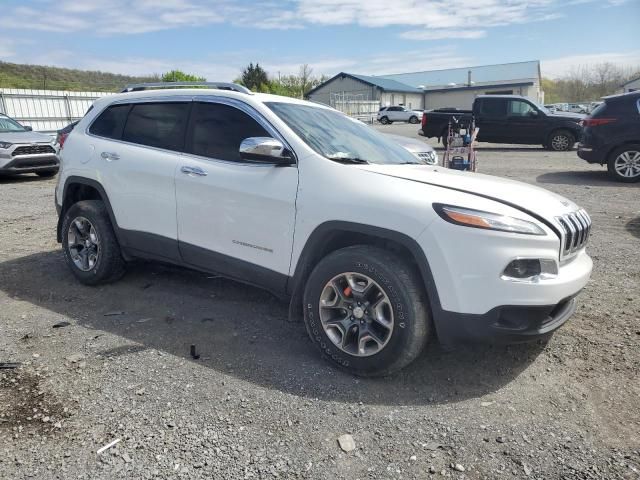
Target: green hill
[(13, 75)]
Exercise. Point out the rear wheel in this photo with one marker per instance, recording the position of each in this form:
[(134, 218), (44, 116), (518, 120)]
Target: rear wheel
[(384, 120), (561, 141), (624, 163), (47, 173), (413, 120), (90, 245), (365, 309)]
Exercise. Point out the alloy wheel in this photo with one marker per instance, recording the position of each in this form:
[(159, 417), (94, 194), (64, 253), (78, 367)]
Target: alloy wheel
[(356, 314), (560, 142), (627, 164), (83, 244)]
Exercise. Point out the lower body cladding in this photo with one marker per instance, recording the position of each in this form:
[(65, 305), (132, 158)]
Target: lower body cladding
[(476, 301), (29, 164)]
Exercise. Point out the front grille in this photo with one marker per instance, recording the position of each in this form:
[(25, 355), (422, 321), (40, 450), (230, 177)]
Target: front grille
[(576, 227), (38, 149), (428, 157)]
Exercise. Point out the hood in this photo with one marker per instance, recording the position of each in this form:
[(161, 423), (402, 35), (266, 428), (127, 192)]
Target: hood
[(412, 144), (25, 137), (568, 115), (522, 196)]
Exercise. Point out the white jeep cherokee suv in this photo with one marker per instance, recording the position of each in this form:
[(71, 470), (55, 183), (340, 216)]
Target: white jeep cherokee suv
[(375, 250)]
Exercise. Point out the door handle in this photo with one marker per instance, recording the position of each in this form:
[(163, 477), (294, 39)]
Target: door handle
[(109, 156), (193, 171)]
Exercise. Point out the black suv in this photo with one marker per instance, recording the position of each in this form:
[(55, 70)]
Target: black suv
[(611, 135)]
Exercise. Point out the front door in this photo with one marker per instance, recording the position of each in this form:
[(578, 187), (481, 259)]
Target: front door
[(522, 123), (234, 217)]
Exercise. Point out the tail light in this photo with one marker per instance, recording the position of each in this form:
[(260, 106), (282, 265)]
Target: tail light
[(596, 122), (61, 138), (424, 119)]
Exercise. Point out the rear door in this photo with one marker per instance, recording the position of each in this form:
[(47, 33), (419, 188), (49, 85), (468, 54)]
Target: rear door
[(491, 118), (234, 217), (138, 147)]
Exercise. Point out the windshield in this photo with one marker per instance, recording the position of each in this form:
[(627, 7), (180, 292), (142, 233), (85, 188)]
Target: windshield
[(9, 125), (338, 137)]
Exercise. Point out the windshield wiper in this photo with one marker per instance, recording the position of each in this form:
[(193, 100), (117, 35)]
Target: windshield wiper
[(346, 159)]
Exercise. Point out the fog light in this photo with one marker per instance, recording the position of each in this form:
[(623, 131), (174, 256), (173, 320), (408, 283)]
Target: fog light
[(530, 269), (523, 268)]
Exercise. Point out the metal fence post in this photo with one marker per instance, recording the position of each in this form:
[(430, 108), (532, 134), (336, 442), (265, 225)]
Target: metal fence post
[(3, 106), (67, 107)]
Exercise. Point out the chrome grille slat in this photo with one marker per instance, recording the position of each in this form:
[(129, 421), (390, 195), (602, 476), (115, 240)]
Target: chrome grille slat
[(575, 230), (33, 149)]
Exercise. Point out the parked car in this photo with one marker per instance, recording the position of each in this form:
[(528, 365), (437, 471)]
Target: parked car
[(63, 133), (551, 107), (25, 151), (578, 108), (612, 136), (508, 119), (423, 151), (387, 115), (376, 253)]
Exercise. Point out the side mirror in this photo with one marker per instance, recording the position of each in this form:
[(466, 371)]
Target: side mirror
[(28, 128), (533, 113), (265, 149)]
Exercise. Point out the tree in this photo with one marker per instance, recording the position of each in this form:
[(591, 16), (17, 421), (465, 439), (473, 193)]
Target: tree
[(180, 76), (254, 77)]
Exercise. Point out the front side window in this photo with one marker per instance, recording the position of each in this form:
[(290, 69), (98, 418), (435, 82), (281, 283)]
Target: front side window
[(110, 122), (338, 137), (217, 131), (9, 125), (518, 108), (160, 125)]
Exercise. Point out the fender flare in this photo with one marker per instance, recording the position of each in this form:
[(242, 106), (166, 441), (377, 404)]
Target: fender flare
[(75, 180), (327, 230)]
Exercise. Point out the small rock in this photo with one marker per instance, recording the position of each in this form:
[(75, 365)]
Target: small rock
[(347, 443), (45, 419), (486, 404), (126, 458), (457, 467), (140, 392), (432, 469), (413, 458), (36, 355), (75, 358), (527, 469), (500, 439)]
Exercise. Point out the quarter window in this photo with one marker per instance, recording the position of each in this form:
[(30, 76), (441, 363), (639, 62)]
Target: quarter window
[(493, 107), (159, 125), (110, 122), (217, 131)]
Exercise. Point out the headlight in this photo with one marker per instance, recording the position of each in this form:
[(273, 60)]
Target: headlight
[(5, 144), (486, 220)]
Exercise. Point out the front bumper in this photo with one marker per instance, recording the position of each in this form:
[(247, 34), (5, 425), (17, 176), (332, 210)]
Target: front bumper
[(505, 324), (29, 163)]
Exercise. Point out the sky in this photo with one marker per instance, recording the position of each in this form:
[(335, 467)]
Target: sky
[(217, 39)]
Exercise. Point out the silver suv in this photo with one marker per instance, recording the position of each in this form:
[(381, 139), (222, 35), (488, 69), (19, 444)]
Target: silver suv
[(25, 151), (398, 113)]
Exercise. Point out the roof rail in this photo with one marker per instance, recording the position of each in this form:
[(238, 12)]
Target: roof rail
[(137, 87)]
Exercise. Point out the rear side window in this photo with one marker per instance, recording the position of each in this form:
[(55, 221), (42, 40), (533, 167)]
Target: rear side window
[(217, 131), (159, 125), (110, 122), (493, 107)]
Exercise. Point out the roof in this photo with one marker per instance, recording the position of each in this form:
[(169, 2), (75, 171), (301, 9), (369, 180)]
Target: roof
[(480, 87), (486, 74), (382, 83)]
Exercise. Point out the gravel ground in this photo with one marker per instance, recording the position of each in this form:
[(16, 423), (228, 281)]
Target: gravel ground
[(260, 403)]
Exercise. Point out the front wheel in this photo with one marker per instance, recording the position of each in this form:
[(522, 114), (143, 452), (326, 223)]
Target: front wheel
[(624, 163), (366, 310), (90, 245), (561, 141)]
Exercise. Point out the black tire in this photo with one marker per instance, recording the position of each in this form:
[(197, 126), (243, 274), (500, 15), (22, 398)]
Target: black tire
[(561, 141), (384, 121), (413, 120), (110, 265), (633, 149), (404, 289), (47, 173)]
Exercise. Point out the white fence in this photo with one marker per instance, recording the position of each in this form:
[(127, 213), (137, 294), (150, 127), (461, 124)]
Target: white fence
[(356, 105), (46, 110)]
